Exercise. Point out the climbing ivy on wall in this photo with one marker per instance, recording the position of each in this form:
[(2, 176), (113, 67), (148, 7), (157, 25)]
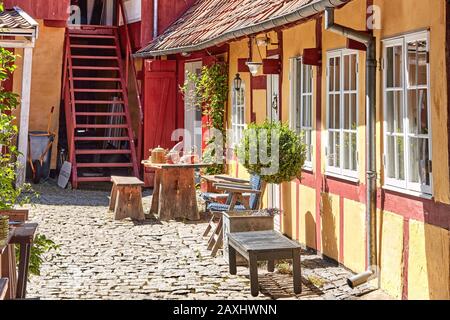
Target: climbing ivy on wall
[(210, 88)]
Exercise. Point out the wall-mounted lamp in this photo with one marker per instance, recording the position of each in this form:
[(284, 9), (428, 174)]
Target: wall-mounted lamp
[(263, 41), (253, 67), (237, 82)]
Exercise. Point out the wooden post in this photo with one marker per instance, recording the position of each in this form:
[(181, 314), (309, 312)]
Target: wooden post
[(24, 115)]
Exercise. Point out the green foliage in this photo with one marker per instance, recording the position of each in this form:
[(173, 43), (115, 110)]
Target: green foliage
[(41, 245), (211, 89), (291, 156), (9, 195)]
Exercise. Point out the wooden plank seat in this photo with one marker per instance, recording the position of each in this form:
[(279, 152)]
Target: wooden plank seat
[(126, 198), (264, 246)]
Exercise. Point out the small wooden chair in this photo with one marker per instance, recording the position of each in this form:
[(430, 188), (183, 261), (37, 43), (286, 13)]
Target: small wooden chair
[(126, 198), (241, 198)]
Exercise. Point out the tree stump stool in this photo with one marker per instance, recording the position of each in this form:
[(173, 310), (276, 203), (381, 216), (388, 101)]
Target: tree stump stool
[(126, 198)]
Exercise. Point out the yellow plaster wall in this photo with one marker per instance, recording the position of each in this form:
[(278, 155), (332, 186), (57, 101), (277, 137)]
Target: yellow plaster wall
[(307, 216), (354, 236), (330, 225), (390, 252), (46, 80), (428, 273)]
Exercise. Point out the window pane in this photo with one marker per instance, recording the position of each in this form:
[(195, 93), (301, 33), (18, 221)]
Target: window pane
[(346, 73), (390, 158), (331, 74), (337, 150), (331, 111), (400, 157), (418, 164), (347, 112), (331, 151), (354, 166), (347, 151), (412, 63), (394, 67), (418, 111), (394, 115), (422, 63), (354, 111), (353, 78), (308, 141), (337, 80), (337, 111)]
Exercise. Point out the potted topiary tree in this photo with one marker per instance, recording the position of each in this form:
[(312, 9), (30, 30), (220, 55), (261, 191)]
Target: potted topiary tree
[(273, 151), (277, 154)]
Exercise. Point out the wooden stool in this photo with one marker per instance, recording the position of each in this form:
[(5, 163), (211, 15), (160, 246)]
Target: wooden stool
[(126, 198)]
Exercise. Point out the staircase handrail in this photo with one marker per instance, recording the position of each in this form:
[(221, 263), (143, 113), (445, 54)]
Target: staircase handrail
[(130, 63)]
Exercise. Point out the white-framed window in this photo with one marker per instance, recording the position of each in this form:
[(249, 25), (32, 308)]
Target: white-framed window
[(238, 114), (302, 104), (407, 122), (342, 113)]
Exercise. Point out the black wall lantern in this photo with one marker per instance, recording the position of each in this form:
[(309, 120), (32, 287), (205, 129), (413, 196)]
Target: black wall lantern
[(237, 82)]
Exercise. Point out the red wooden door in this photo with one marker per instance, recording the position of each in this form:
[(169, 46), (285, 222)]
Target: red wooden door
[(160, 116)]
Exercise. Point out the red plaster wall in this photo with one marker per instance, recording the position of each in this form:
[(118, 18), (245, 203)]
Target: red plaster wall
[(42, 9)]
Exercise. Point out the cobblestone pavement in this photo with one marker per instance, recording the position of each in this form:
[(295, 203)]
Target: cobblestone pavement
[(101, 258)]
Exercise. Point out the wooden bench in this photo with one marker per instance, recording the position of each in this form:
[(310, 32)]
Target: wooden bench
[(264, 246), (126, 198)]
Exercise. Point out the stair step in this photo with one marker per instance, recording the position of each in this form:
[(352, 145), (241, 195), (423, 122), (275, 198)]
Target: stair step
[(101, 126), (96, 79), (91, 46), (102, 139), (104, 165), (95, 68), (97, 90), (102, 151), (100, 114), (94, 57), (99, 102), (92, 36)]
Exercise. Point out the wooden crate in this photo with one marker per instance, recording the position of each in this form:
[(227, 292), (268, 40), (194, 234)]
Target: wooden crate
[(243, 222)]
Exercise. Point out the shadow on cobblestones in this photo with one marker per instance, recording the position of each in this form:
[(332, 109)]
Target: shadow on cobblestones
[(101, 258)]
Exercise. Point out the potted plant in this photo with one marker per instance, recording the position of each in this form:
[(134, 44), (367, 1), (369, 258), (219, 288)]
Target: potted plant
[(277, 154), (273, 151)]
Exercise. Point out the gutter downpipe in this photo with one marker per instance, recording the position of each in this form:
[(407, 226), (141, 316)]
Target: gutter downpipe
[(155, 18), (371, 196)]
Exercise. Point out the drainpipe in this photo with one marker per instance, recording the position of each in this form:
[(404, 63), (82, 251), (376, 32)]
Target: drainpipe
[(155, 18), (371, 176)]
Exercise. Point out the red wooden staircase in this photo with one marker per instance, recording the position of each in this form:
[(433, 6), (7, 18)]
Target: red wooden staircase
[(99, 129)]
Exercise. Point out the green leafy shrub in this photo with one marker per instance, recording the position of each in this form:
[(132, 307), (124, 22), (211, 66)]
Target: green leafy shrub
[(210, 88), (272, 145), (41, 245)]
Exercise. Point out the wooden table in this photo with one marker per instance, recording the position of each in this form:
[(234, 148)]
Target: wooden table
[(174, 194), (264, 246), (126, 198)]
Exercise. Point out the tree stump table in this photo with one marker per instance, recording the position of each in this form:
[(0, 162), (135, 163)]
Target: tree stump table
[(126, 198), (174, 193), (264, 246)]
